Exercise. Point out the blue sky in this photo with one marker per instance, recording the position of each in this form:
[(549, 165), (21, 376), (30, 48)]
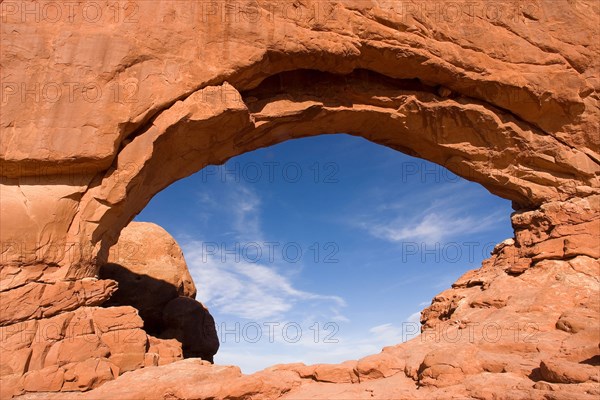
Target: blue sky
[(324, 249)]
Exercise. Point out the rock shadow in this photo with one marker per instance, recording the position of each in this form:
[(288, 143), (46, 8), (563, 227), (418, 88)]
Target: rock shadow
[(165, 313)]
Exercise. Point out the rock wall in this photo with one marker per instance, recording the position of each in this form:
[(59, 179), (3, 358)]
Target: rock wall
[(102, 111)]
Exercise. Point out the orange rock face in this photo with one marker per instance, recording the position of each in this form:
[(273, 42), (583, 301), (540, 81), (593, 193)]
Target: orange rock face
[(101, 113), (75, 350)]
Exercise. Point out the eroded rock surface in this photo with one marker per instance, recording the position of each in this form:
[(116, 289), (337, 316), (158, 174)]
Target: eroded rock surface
[(150, 269), (153, 277), (98, 115), (77, 350)]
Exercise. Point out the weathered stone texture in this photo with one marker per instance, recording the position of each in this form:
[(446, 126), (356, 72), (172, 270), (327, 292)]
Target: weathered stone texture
[(100, 115)]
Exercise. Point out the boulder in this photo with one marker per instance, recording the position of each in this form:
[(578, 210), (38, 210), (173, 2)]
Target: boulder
[(150, 269), (188, 321)]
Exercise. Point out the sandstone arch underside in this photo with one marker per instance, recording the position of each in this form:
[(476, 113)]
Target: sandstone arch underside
[(99, 116)]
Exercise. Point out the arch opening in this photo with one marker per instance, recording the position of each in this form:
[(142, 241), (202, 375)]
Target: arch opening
[(288, 246)]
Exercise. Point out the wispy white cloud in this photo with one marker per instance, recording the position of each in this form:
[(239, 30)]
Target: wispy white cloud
[(238, 287), (442, 220), (245, 204), (238, 208), (432, 227), (388, 333), (245, 289)]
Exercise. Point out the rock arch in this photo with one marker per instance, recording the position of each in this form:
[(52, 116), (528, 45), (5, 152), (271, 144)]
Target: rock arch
[(508, 101), (474, 139)]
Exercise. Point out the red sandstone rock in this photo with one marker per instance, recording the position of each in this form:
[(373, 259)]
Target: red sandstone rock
[(190, 323), (510, 102), (578, 319), (43, 300), (342, 373), (378, 366), (48, 379), (88, 374), (147, 256), (562, 371), (447, 366), (77, 350), (163, 351)]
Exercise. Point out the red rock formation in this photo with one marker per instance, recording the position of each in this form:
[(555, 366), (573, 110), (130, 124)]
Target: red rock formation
[(147, 257), (188, 321), (100, 115), (77, 350), (153, 278)]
